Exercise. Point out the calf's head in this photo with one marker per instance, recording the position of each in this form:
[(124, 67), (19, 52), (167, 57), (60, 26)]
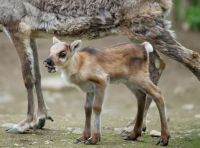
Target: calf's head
[(60, 54)]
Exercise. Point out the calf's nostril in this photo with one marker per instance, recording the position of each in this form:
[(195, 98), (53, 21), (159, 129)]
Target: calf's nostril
[(48, 62)]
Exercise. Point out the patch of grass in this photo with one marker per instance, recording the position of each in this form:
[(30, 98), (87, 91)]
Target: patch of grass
[(61, 139)]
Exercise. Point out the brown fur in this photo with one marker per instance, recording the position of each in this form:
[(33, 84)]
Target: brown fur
[(118, 62)]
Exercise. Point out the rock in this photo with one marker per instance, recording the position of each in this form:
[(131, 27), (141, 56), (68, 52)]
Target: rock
[(48, 142), (16, 144), (197, 116), (129, 129), (34, 143), (69, 129), (188, 106), (155, 133), (63, 140)]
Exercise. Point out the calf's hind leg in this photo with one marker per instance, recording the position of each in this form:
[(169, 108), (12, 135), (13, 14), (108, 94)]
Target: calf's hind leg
[(146, 85), (156, 67), (141, 98)]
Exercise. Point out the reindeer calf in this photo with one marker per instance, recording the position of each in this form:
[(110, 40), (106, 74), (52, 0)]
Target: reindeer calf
[(93, 69)]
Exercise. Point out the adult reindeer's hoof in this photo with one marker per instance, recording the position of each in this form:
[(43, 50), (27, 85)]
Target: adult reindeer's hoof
[(133, 136), (130, 138), (163, 141), (41, 120)]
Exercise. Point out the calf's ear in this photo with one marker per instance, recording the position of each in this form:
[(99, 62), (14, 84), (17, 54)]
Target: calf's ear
[(76, 45), (55, 40)]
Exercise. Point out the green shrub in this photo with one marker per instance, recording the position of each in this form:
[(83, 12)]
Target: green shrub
[(192, 16), (189, 14)]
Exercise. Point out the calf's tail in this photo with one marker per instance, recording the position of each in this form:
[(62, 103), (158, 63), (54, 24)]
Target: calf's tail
[(148, 47)]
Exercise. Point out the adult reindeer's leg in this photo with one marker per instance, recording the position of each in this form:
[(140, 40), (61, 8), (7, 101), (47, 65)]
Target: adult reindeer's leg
[(21, 42), (42, 113)]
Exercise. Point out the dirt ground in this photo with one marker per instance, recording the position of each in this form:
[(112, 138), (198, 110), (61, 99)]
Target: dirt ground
[(180, 88)]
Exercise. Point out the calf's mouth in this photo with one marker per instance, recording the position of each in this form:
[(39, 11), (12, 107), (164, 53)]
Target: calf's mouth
[(51, 69)]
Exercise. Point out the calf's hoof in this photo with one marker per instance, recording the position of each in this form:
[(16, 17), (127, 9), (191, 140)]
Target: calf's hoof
[(163, 141), (85, 136), (91, 141), (94, 139)]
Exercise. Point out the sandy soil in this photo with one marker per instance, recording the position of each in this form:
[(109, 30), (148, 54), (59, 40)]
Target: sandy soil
[(179, 86)]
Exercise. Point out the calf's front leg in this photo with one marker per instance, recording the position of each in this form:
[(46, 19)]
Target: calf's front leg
[(88, 112), (97, 106)]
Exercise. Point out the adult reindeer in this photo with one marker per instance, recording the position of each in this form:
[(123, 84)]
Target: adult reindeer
[(25, 20)]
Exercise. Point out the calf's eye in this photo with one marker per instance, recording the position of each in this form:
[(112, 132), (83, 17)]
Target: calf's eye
[(62, 55)]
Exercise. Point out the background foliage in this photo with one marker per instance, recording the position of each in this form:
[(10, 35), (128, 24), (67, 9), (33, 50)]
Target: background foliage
[(188, 12)]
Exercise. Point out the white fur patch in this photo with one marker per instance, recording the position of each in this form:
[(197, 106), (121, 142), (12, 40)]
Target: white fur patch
[(148, 46), (30, 56), (7, 33), (65, 78)]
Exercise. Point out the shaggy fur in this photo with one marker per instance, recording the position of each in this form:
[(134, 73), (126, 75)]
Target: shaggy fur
[(86, 17)]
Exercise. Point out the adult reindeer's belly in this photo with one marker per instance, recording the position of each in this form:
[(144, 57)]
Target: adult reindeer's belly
[(74, 17)]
